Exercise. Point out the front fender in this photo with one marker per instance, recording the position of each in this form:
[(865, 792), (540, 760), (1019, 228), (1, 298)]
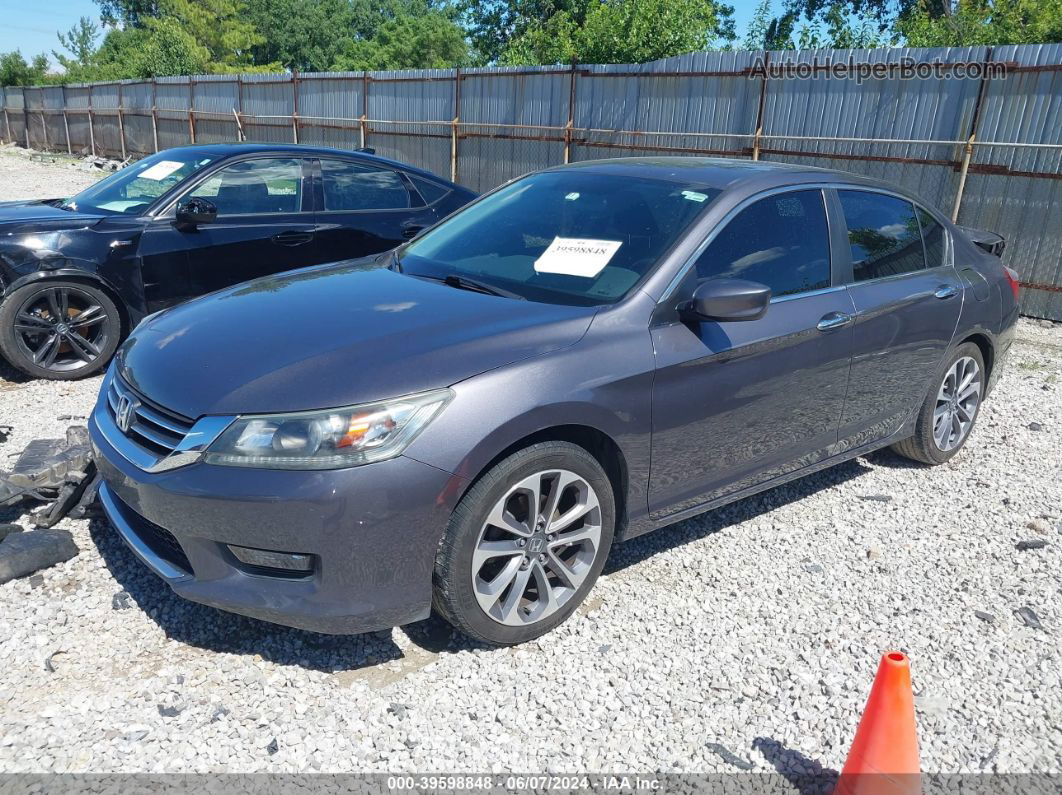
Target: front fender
[(603, 382)]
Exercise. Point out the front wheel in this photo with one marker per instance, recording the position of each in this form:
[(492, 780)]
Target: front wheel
[(525, 544), (59, 330), (948, 413)]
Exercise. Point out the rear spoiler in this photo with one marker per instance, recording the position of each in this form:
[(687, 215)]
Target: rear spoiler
[(987, 241)]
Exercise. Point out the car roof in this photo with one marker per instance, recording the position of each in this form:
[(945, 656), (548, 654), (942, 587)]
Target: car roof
[(303, 150), (723, 173)]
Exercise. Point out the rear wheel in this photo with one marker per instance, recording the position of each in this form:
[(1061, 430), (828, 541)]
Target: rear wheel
[(526, 544), (59, 330), (948, 413)]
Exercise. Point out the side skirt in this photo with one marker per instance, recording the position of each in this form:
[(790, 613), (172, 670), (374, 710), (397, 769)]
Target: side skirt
[(648, 525)]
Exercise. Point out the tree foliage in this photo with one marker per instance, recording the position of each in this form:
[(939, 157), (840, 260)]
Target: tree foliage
[(429, 41), (623, 31), (153, 38), (16, 71), (973, 22)]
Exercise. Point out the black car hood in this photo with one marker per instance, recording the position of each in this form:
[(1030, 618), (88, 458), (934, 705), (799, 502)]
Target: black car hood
[(43, 214), (332, 336)]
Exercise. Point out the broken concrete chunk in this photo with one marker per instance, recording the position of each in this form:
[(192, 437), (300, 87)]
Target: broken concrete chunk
[(1030, 618), (25, 553)]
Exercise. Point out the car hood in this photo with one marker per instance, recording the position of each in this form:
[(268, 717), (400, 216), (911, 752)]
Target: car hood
[(332, 336), (44, 214)]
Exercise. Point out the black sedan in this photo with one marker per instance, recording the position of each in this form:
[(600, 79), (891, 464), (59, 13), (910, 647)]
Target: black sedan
[(77, 274)]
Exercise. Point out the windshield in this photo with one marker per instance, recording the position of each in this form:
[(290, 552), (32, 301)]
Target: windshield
[(572, 236), (135, 188)]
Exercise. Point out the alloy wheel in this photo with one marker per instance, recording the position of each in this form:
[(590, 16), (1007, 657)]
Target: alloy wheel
[(536, 547), (957, 402), (61, 329)]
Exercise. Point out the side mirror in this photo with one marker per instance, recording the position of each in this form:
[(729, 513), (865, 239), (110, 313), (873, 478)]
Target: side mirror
[(729, 299), (195, 212)]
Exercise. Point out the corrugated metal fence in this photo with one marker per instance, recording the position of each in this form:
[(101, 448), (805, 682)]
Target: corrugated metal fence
[(985, 146)]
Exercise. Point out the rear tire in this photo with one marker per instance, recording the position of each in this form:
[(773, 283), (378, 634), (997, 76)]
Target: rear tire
[(950, 409), (60, 330), (505, 575)]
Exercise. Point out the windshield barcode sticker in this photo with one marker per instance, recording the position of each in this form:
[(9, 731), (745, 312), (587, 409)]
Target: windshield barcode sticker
[(576, 256), (160, 170)]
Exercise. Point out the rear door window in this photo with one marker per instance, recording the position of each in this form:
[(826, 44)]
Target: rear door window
[(933, 238), (354, 186), (884, 234), (782, 241)]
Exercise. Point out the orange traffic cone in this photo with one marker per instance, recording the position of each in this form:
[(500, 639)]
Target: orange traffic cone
[(884, 755)]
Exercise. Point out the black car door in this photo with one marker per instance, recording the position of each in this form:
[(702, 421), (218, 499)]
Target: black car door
[(738, 403), (365, 208), (907, 298), (264, 225)]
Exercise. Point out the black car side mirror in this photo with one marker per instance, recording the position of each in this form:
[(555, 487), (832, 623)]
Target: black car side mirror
[(728, 299), (195, 212)]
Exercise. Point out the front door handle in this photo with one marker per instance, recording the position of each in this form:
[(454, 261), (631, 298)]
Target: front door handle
[(834, 320), (292, 238), (946, 291)]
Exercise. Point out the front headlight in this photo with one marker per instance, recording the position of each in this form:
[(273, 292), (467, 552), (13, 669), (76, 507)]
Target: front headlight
[(329, 439)]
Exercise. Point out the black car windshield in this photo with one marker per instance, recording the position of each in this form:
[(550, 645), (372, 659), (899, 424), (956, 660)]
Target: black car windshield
[(135, 188), (571, 236)]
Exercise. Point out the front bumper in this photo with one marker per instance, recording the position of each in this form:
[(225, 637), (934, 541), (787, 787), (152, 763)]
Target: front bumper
[(373, 531)]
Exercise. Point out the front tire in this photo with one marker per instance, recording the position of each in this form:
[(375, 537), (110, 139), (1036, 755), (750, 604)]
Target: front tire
[(947, 416), (525, 544), (60, 330)]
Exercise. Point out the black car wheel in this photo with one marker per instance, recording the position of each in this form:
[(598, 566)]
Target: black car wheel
[(525, 544), (59, 330)]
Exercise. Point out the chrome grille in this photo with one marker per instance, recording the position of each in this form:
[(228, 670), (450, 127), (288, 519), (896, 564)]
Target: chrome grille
[(151, 428)]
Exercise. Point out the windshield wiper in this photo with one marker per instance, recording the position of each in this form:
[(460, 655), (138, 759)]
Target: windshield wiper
[(464, 283)]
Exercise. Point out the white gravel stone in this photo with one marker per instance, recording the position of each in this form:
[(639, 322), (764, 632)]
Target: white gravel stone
[(757, 627)]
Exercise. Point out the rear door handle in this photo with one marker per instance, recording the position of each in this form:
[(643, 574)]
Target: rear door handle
[(946, 291), (834, 320), (292, 238)]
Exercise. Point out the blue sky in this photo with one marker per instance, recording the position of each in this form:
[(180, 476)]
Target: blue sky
[(31, 25)]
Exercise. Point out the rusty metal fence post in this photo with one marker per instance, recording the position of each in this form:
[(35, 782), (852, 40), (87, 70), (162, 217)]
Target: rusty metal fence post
[(974, 121), (364, 107), (760, 107), (66, 123), (571, 115), (155, 113), (121, 122), (295, 105), (191, 108), (453, 124)]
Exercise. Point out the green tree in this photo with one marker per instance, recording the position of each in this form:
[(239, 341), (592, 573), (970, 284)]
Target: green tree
[(624, 31), (311, 35), (221, 26), (494, 24), (428, 41), (80, 42), (127, 13), (169, 49), (15, 71), (984, 22)]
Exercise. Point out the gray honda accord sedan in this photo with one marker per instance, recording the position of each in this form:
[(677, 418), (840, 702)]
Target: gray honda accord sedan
[(583, 355)]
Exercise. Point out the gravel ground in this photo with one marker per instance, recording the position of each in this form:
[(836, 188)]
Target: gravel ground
[(744, 638)]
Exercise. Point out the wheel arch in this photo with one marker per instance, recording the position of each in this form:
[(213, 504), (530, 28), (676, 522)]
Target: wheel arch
[(987, 348), (84, 277), (599, 444)]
